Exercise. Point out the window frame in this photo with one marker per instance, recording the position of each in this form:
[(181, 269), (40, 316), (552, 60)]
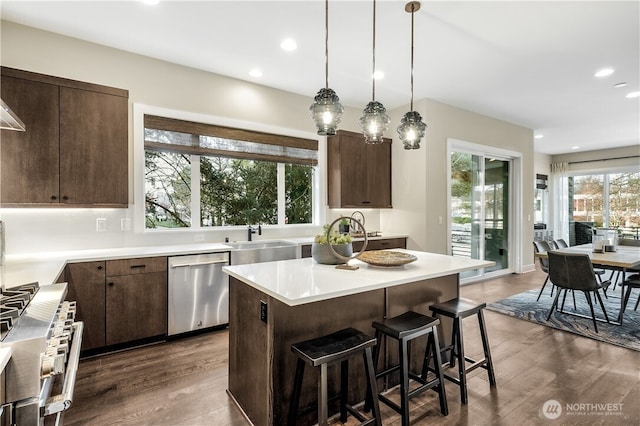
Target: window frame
[(605, 172), (140, 110)]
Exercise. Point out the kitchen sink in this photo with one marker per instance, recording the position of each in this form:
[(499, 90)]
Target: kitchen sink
[(262, 251)]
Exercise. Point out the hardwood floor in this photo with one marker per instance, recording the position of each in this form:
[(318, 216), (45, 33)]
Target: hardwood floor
[(184, 382)]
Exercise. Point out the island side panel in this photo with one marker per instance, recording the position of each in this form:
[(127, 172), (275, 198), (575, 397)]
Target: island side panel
[(249, 353), (293, 324)]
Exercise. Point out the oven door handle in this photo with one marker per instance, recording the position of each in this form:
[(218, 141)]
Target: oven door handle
[(59, 403)]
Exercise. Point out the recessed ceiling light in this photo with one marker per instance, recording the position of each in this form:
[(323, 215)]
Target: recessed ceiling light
[(633, 95), (538, 136), (378, 75), (289, 45), (621, 84), (575, 147), (604, 72), (255, 73)]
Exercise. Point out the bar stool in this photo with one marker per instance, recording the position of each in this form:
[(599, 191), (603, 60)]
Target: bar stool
[(457, 309), (404, 328), (330, 349)]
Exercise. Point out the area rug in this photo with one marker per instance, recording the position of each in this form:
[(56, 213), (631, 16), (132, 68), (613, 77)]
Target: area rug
[(524, 306)]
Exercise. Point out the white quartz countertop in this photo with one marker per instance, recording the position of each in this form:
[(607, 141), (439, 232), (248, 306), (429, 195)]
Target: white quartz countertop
[(299, 281), (45, 267)]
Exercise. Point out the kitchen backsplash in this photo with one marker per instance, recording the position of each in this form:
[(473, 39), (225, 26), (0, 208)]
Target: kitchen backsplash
[(43, 230)]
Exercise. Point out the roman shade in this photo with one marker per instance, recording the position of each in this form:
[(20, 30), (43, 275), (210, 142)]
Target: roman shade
[(188, 137)]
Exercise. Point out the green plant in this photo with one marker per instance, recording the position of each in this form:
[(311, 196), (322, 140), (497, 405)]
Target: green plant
[(335, 237), (344, 221)]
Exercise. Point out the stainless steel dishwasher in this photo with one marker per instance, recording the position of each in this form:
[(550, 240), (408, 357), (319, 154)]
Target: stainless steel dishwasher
[(198, 292)]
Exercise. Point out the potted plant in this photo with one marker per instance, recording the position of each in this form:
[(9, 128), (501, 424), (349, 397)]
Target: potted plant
[(343, 227), (321, 252)]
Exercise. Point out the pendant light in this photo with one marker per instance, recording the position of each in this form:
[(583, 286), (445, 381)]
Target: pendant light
[(326, 109), (374, 121), (411, 128)]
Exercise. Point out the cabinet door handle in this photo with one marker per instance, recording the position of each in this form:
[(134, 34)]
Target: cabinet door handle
[(110, 284), (366, 202), (64, 197), (100, 268), (137, 266), (53, 197)]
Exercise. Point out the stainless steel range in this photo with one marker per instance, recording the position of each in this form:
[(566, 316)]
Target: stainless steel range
[(38, 325)]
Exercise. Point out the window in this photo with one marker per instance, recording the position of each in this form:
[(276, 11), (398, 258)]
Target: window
[(201, 175), (606, 200)]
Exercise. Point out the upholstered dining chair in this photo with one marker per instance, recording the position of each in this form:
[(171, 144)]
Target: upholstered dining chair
[(573, 271), (633, 282), (540, 247), (561, 243)]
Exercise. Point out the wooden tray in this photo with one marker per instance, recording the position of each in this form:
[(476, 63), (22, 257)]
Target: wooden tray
[(386, 258)]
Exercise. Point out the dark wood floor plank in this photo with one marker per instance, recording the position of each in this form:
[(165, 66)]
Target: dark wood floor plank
[(183, 382)]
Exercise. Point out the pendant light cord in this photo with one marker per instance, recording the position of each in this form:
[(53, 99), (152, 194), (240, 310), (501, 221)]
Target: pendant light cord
[(326, 44), (412, 10), (373, 72)]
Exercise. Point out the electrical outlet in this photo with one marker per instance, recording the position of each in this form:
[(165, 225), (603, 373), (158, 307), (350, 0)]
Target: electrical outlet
[(263, 311), (101, 224)]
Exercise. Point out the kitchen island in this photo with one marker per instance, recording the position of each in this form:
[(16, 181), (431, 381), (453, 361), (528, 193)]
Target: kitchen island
[(275, 304)]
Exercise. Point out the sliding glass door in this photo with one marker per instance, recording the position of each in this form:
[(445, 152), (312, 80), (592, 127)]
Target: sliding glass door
[(481, 201)]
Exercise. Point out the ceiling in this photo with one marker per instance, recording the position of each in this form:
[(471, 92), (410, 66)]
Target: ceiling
[(529, 63)]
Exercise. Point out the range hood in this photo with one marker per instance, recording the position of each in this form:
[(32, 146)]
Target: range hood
[(9, 120)]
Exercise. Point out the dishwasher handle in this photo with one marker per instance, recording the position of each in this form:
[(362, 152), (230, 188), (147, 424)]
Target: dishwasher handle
[(211, 262)]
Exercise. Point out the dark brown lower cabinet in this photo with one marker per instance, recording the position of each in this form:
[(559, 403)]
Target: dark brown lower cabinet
[(136, 307), (86, 286), (119, 301)]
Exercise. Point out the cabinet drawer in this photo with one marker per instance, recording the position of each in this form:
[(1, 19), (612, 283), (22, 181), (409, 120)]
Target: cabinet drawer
[(383, 244), (140, 265)]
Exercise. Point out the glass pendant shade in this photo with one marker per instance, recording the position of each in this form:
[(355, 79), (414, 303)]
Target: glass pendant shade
[(326, 111), (374, 122), (411, 130)]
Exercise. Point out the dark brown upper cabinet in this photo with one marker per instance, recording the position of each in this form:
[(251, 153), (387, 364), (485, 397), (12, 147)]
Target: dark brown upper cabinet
[(74, 151), (358, 174)]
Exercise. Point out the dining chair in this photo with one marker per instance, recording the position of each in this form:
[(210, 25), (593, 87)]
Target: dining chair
[(633, 282), (540, 247), (573, 271), (561, 243)]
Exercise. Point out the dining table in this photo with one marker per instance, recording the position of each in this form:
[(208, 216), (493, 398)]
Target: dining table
[(623, 259)]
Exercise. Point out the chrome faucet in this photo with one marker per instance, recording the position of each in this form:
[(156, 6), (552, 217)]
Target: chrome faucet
[(251, 230)]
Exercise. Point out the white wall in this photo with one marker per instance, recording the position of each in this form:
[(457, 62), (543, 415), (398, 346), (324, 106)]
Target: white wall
[(541, 164), (419, 177)]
